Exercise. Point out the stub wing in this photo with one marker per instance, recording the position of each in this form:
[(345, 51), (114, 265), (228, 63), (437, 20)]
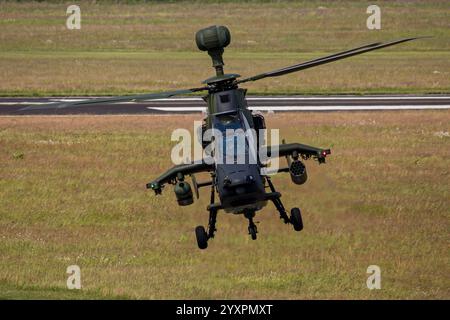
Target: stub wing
[(184, 169), (304, 150)]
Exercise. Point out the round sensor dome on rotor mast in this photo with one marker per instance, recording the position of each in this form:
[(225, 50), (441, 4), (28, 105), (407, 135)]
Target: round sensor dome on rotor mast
[(213, 40)]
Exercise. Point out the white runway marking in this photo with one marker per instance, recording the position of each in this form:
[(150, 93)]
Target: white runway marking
[(177, 109), (21, 103), (351, 98), (316, 98), (312, 108)]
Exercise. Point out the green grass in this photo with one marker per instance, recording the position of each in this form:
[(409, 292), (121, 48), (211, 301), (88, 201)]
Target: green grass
[(13, 292), (143, 47), (42, 73), (77, 196)]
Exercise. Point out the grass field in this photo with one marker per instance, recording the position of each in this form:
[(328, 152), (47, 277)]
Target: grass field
[(72, 191), (123, 48)]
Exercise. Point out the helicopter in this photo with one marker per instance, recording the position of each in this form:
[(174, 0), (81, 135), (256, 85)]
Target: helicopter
[(241, 186)]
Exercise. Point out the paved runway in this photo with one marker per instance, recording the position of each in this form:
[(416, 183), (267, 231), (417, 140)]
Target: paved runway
[(12, 106)]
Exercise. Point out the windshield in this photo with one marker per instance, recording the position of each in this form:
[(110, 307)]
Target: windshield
[(231, 143)]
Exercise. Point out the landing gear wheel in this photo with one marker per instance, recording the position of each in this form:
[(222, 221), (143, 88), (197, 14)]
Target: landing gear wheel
[(202, 237), (296, 219), (252, 231)]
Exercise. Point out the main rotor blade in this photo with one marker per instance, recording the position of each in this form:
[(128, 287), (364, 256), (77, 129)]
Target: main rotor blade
[(140, 97), (326, 59), (337, 54)]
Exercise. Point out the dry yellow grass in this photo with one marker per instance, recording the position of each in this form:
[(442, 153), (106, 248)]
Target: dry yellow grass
[(72, 191)]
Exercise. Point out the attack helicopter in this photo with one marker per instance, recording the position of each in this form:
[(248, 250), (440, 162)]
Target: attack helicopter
[(241, 187)]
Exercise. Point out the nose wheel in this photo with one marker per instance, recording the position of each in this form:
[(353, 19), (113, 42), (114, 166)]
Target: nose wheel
[(252, 229)]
